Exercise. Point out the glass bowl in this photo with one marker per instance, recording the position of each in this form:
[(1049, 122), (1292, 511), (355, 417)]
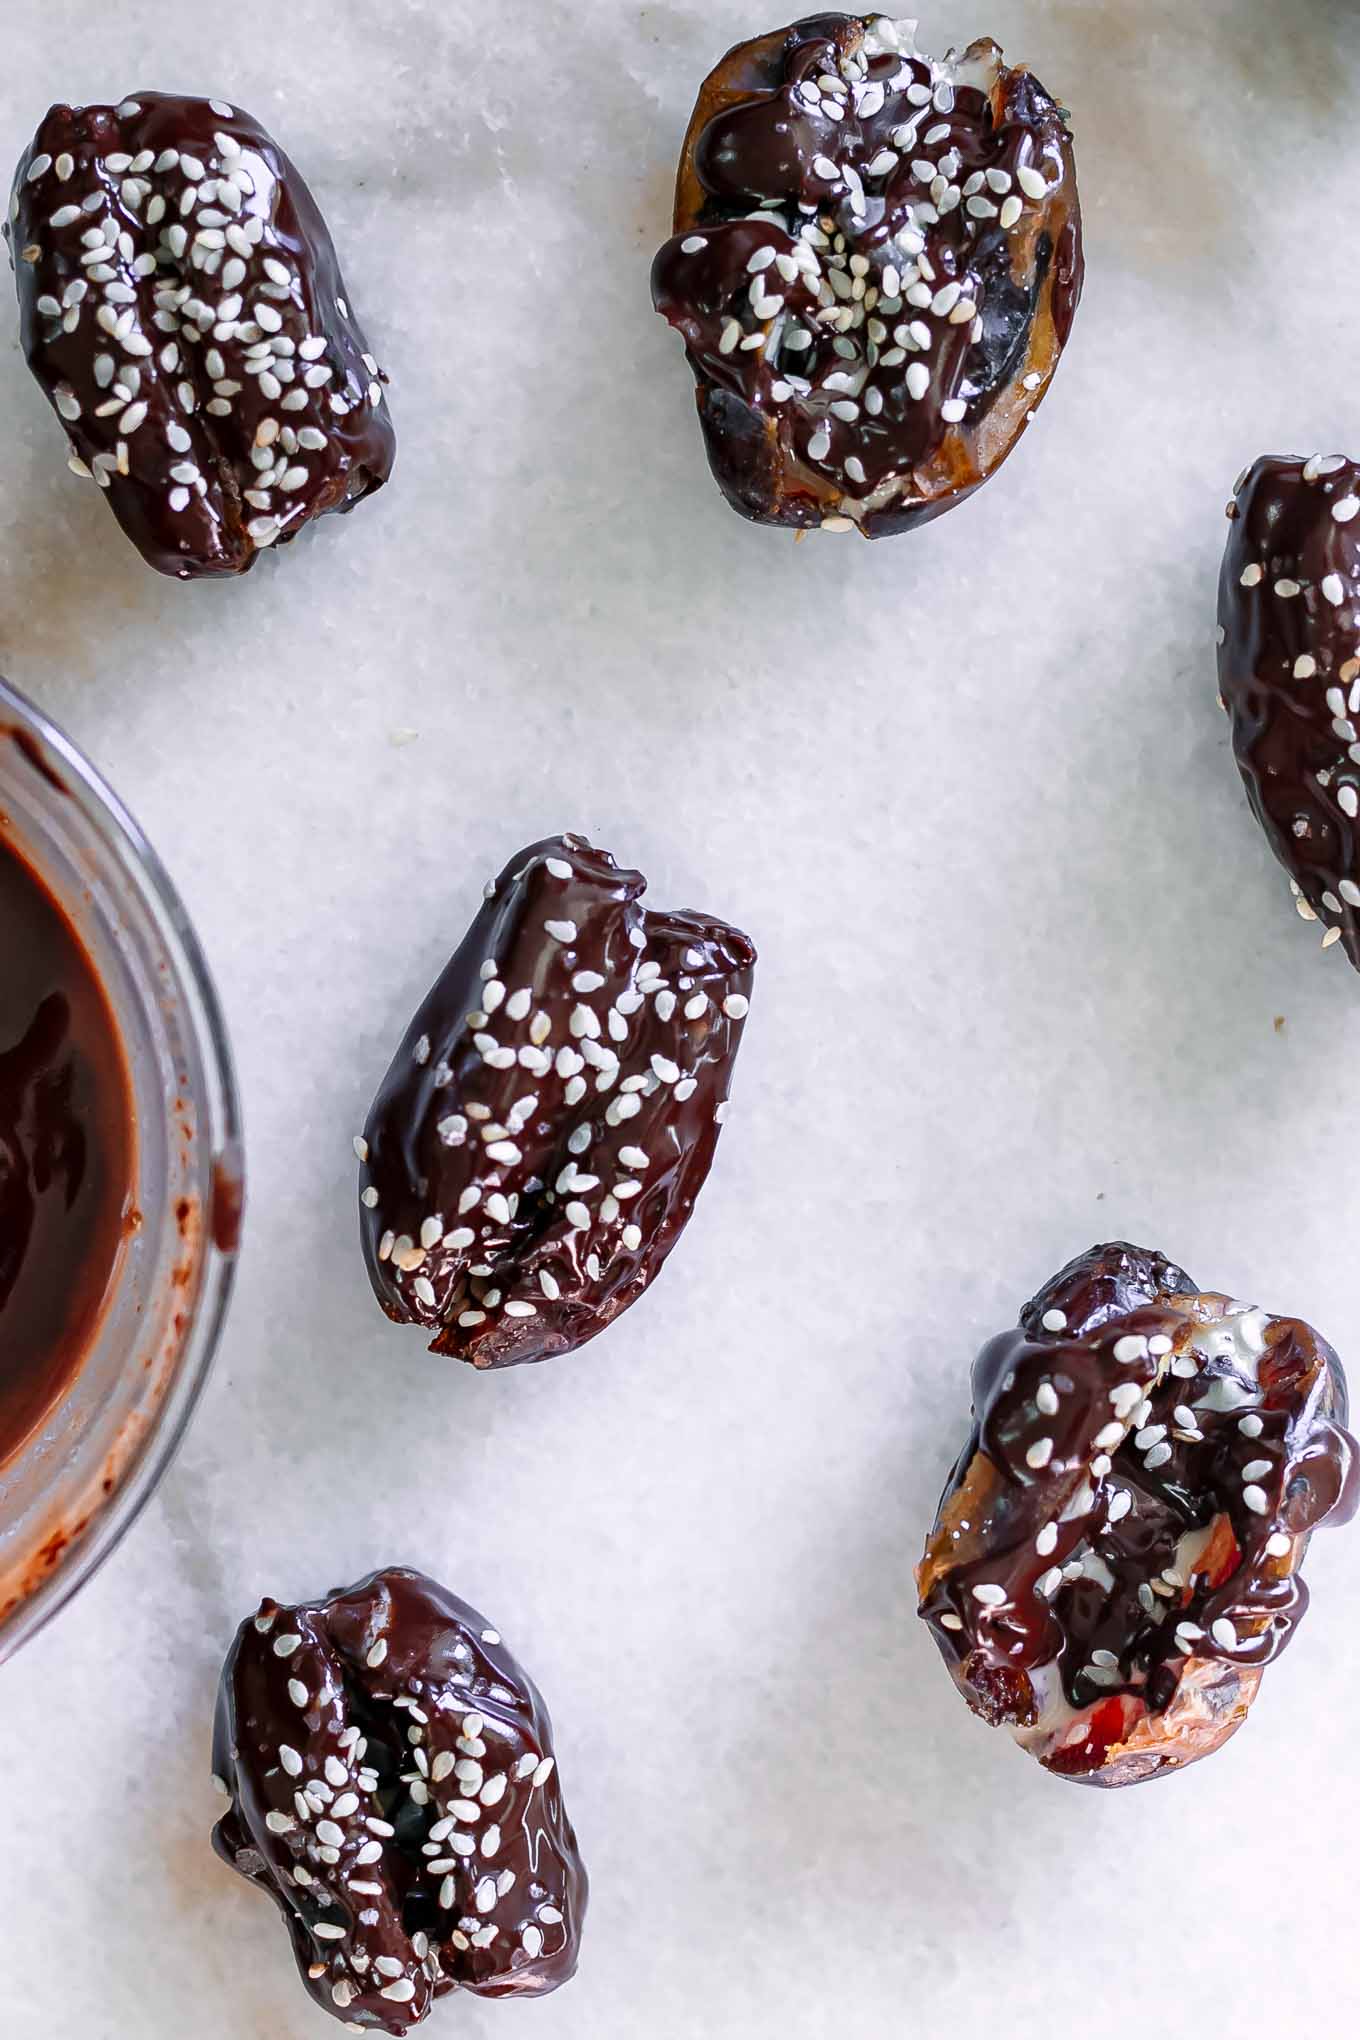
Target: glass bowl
[(79, 1482)]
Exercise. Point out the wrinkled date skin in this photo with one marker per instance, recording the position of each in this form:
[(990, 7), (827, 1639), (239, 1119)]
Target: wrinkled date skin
[(393, 1789), (539, 1141), (1117, 1555), (183, 310), (1289, 675), (875, 268)]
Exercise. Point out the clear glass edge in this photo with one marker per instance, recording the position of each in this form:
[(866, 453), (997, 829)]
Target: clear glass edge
[(223, 1143)]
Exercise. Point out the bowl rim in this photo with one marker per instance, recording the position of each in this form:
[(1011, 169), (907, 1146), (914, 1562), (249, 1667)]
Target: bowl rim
[(59, 758)]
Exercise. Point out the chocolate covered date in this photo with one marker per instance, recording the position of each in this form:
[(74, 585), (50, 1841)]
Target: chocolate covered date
[(876, 264), (393, 1789), (184, 311), (1289, 675), (537, 1146), (1117, 1555)]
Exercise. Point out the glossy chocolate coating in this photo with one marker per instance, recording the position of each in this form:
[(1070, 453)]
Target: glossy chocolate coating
[(1289, 675), (183, 309), (538, 1143), (393, 1790), (66, 1150), (900, 243), (1116, 1555)]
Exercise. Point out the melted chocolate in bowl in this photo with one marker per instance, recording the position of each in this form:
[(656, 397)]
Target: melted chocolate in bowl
[(120, 1170), (66, 1151)]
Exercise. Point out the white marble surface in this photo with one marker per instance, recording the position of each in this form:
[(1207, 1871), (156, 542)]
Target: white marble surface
[(1023, 954)]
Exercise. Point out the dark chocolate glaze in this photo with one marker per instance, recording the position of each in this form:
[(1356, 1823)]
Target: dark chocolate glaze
[(66, 1150), (908, 289), (540, 1139), (1146, 1466), (1289, 675), (393, 1790), (184, 311)]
